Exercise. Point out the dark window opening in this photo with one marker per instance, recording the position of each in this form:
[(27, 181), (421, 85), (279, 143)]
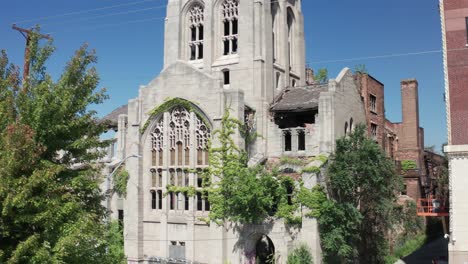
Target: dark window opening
[(193, 31), (200, 51), (199, 181), (153, 200), (295, 119), (226, 28), (192, 52), (199, 201), (287, 141), (121, 217), (226, 77), (234, 26), (200, 32), (374, 131), (226, 47), (207, 203), (187, 199), (289, 192), (301, 140), (160, 200), (234, 46), (172, 201)]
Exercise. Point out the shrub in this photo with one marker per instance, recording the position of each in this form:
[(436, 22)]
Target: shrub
[(300, 255)]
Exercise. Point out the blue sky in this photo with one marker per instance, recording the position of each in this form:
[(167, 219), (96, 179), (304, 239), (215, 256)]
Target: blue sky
[(128, 39)]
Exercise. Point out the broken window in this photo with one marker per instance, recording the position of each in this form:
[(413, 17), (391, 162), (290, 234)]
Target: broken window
[(295, 119), (373, 103), (374, 131)]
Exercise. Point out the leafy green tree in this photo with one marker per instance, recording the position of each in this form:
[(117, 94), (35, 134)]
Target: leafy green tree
[(249, 202), (50, 208), (321, 76), (362, 185)]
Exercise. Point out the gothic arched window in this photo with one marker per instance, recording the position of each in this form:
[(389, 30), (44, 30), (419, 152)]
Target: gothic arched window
[(230, 29), (196, 19), (179, 144), (291, 20)]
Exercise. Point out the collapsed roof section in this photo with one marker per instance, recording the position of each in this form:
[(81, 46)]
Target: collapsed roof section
[(299, 99)]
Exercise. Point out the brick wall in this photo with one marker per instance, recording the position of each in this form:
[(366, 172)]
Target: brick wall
[(370, 86), (457, 65)]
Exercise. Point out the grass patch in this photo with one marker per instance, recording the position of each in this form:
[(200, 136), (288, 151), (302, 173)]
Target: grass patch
[(406, 248)]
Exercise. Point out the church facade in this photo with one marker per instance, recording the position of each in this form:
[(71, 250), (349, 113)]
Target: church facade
[(248, 57)]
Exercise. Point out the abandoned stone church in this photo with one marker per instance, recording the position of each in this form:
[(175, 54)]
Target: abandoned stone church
[(248, 56)]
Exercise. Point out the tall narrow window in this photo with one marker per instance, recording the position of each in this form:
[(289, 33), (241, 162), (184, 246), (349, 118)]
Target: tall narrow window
[(196, 19), (274, 13), (466, 18), (374, 131), (230, 14), (301, 140), (226, 77), (373, 103), (287, 140), (153, 199), (291, 33)]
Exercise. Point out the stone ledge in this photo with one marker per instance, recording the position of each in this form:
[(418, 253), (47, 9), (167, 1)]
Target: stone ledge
[(456, 149)]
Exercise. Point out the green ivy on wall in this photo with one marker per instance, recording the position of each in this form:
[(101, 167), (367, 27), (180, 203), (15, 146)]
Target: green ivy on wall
[(169, 104)]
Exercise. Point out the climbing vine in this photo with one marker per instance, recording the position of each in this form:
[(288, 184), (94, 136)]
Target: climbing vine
[(171, 103), (120, 180), (244, 194)]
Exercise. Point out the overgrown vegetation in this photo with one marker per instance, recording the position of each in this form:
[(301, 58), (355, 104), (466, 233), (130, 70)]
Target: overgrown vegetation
[(171, 103), (361, 68), (361, 184), (50, 210), (120, 181), (300, 255), (322, 76), (263, 193), (407, 234), (405, 249), (407, 165)]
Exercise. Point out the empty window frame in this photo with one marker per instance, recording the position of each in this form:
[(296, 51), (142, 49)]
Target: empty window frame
[(301, 145), (373, 103), (287, 139), (374, 129)]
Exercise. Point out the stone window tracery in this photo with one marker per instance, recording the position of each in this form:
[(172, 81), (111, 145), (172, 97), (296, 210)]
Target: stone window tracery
[(230, 16), (179, 142), (196, 24)]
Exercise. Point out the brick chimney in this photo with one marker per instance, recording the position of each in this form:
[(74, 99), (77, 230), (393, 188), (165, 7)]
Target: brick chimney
[(409, 139), (309, 76)]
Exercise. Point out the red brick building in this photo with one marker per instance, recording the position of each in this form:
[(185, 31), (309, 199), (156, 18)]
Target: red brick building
[(404, 141), (454, 17)]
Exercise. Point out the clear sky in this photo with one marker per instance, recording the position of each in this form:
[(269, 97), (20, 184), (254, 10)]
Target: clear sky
[(128, 37)]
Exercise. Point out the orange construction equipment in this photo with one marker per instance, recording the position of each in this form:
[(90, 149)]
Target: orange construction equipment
[(432, 207)]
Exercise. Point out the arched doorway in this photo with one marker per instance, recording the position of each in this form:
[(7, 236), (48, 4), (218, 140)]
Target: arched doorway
[(265, 251)]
